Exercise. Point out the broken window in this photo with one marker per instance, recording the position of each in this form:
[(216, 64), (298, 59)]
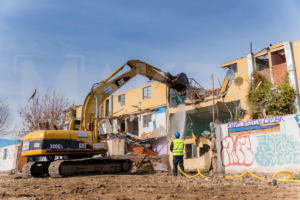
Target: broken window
[(5, 154), (262, 62), (106, 107), (123, 126), (204, 149), (147, 120), (121, 99), (73, 113), (278, 57), (133, 125), (76, 124), (232, 67), (147, 92), (190, 151)]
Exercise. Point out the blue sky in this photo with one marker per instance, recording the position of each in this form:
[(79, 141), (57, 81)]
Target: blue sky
[(69, 45)]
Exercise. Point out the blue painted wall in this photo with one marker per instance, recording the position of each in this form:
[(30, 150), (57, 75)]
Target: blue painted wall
[(7, 142)]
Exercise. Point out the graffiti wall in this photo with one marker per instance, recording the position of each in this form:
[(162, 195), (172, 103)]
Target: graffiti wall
[(265, 145)]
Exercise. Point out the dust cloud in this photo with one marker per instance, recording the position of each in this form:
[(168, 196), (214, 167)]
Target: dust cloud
[(177, 122)]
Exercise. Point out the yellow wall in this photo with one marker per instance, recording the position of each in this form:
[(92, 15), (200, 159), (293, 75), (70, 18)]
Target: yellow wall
[(134, 99), (296, 51), (235, 92), (78, 112), (70, 112)]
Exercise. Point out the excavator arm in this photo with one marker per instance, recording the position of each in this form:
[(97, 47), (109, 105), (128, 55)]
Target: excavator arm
[(104, 89)]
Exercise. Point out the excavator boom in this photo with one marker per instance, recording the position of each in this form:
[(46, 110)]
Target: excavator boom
[(104, 89)]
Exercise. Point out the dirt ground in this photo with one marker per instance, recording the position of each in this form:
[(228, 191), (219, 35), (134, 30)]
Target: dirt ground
[(150, 186)]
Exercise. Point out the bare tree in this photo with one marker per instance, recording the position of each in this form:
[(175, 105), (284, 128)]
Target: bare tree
[(45, 112), (4, 114)]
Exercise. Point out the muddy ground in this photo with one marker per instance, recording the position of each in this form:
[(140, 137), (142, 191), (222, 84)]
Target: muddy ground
[(150, 186)]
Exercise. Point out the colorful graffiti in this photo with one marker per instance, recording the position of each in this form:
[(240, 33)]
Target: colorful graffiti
[(278, 149), (269, 120), (236, 151), (297, 118)]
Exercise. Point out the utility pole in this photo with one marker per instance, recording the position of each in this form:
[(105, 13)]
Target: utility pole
[(252, 61), (213, 93)]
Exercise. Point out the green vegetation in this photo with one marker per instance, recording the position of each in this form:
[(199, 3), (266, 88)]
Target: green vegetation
[(274, 100), (297, 176)]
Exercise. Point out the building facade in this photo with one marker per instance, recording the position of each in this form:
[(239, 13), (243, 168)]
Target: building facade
[(9, 157), (141, 111)]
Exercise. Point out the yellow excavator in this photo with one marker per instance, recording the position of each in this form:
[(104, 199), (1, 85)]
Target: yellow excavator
[(70, 152)]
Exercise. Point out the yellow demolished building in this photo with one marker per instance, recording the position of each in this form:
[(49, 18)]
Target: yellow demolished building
[(229, 102), (152, 110)]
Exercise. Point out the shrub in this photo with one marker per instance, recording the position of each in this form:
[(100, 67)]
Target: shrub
[(276, 100)]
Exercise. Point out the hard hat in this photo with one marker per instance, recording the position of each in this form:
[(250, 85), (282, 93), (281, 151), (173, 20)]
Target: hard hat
[(177, 135)]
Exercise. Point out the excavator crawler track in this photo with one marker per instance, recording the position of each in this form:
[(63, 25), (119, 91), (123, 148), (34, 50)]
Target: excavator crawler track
[(64, 168), (35, 169)]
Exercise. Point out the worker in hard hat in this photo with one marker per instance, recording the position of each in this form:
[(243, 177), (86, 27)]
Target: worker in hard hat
[(176, 148)]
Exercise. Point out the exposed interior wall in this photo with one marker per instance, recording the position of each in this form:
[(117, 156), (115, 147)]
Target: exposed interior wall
[(106, 127), (7, 158), (161, 145), (267, 145), (116, 124), (279, 73), (21, 159), (271, 63), (279, 67), (198, 120), (116, 146), (153, 124), (262, 66), (16, 155), (146, 123), (160, 122), (133, 125)]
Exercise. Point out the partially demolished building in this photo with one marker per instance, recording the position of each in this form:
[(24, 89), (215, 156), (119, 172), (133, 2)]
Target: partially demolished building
[(151, 114), (140, 112), (229, 102), (133, 119)]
